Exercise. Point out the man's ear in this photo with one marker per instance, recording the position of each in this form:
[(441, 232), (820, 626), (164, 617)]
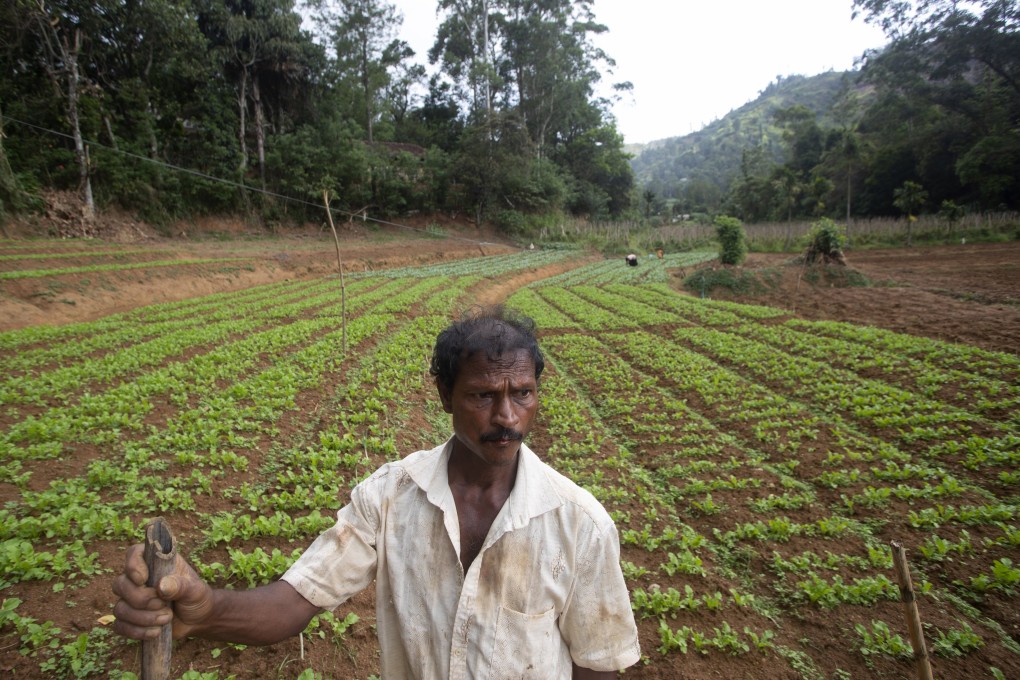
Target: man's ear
[(445, 396)]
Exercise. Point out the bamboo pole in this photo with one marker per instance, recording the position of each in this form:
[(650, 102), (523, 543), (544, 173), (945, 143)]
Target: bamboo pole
[(340, 266), (911, 613), (160, 555)]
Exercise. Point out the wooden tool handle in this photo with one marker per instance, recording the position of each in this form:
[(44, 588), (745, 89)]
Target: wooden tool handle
[(160, 555)]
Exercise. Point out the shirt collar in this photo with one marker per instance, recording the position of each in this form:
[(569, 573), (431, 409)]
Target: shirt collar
[(533, 494)]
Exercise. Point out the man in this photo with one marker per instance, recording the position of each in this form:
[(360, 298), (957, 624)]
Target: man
[(487, 562)]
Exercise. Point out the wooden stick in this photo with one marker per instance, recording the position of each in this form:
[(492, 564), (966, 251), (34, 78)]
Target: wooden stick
[(340, 266), (910, 610), (160, 555)]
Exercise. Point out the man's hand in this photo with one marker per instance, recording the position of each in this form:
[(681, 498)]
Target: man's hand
[(261, 616), (142, 610)]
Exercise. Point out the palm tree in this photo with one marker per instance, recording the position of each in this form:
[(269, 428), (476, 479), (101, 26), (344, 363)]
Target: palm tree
[(909, 198)]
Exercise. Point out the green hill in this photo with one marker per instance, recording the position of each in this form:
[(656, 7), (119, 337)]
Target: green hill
[(704, 162)]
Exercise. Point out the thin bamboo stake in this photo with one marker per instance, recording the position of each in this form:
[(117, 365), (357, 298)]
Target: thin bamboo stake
[(160, 555), (911, 613), (340, 266)]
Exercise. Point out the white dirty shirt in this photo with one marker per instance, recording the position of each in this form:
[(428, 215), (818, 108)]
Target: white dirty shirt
[(546, 588)]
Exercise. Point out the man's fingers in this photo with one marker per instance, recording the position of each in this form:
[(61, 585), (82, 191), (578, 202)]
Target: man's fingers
[(169, 587), (134, 632), (134, 565), (139, 624), (137, 597)]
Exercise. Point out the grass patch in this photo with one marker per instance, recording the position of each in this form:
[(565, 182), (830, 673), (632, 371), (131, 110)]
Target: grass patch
[(835, 276), (737, 280)]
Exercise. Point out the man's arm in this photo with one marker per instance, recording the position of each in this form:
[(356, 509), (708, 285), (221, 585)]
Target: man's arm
[(588, 674), (260, 616)]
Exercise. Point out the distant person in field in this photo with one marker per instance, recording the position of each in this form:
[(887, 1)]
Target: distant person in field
[(632, 260), (487, 562)]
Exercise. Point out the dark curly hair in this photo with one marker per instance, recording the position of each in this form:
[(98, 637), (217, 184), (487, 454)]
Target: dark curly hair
[(495, 330)]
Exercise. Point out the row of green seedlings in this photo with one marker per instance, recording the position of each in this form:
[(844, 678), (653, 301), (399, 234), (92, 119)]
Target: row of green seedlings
[(786, 427), (119, 254), (487, 266), (579, 450), (204, 429), (27, 352), (102, 333), (152, 342), (875, 404), (44, 436), (616, 271), (682, 546), (970, 391), (815, 589), (904, 415), (1001, 574), (369, 413), (215, 421), (742, 399), (89, 269), (201, 440), (968, 358), (253, 565)]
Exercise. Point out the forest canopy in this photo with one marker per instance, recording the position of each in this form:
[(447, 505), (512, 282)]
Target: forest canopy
[(178, 108)]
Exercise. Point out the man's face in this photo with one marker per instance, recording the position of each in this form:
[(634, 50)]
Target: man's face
[(493, 404)]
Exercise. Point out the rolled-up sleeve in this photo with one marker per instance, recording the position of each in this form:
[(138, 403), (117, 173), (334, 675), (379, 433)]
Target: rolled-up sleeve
[(598, 623), (341, 562)]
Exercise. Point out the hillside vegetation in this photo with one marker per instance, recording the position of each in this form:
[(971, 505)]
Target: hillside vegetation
[(930, 124), (701, 165)]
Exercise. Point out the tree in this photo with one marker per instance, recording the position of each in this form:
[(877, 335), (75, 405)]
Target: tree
[(255, 40), (732, 241), (960, 63), (62, 30), (909, 198), (465, 52), (363, 34)]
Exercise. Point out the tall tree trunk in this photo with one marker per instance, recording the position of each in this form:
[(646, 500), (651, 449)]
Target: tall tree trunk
[(242, 112), (849, 177), (80, 152), (109, 131), (10, 192), (260, 129), (485, 57)]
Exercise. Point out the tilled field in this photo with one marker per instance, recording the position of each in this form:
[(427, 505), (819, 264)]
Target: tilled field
[(758, 464)]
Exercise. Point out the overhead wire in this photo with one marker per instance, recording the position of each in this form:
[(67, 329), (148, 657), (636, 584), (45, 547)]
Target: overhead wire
[(241, 186)]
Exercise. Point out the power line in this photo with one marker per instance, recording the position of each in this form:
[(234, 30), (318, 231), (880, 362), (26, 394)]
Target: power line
[(238, 185)]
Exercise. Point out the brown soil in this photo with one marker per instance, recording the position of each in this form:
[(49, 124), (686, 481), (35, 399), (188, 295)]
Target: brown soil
[(262, 258), (960, 293)]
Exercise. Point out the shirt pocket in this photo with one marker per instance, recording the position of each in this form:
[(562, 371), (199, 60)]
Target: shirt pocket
[(526, 646)]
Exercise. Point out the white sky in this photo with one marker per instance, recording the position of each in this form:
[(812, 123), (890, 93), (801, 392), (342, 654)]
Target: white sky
[(693, 61)]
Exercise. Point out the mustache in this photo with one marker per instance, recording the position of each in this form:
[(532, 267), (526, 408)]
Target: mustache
[(503, 433)]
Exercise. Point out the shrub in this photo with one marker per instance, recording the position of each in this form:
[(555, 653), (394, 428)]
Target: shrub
[(826, 244), (732, 242)]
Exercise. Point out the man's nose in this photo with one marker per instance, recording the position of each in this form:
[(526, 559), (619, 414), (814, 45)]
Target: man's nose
[(505, 414)]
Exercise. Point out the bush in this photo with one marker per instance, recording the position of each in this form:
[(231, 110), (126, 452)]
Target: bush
[(732, 242), (826, 244)]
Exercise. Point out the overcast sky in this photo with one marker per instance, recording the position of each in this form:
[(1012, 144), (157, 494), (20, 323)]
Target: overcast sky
[(693, 61)]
